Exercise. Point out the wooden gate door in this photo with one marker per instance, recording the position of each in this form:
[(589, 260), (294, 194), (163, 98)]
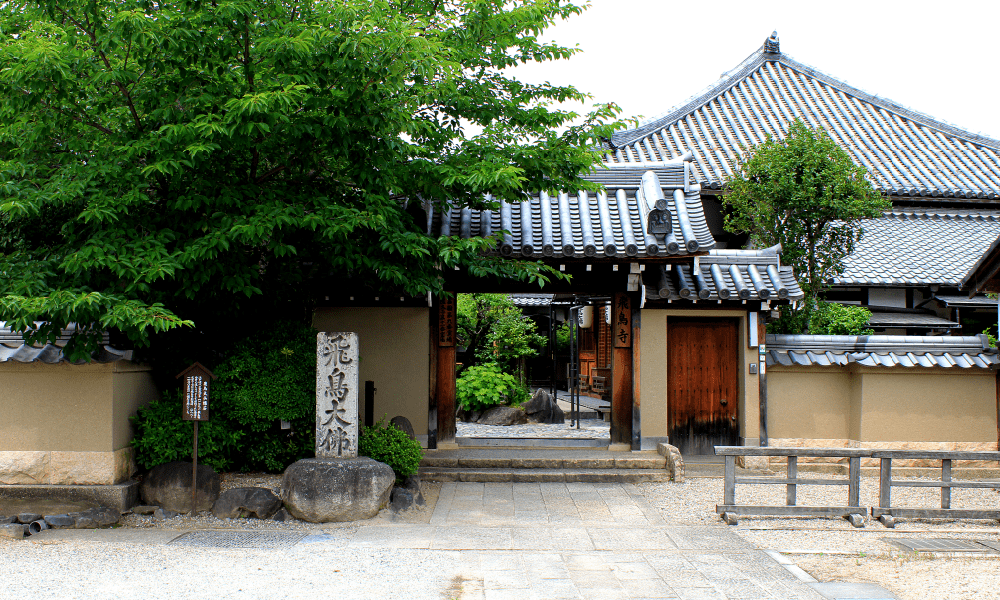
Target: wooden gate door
[(703, 381)]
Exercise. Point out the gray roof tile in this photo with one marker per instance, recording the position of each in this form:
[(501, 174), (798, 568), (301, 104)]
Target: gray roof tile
[(907, 153), (881, 351), (920, 248)]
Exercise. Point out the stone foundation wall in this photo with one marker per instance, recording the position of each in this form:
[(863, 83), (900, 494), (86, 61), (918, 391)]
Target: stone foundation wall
[(66, 468)]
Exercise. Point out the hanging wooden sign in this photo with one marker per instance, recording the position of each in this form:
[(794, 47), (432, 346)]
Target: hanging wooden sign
[(446, 321), (622, 326)]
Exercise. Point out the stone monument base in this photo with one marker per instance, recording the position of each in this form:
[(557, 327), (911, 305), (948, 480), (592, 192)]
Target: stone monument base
[(323, 490)]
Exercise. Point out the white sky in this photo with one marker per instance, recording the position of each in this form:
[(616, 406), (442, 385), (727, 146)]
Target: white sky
[(648, 56)]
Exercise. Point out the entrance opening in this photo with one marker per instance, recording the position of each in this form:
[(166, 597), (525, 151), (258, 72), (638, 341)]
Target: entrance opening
[(556, 344), (703, 381)]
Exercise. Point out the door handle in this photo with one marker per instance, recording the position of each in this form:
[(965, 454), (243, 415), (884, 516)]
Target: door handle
[(725, 402)]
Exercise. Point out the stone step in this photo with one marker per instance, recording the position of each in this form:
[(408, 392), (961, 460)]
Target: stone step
[(504, 475), (540, 460)]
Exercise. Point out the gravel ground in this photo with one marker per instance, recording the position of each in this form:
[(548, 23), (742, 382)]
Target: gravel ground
[(831, 550), (589, 428)]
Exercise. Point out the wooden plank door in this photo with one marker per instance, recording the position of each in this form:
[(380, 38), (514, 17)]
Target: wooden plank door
[(703, 383)]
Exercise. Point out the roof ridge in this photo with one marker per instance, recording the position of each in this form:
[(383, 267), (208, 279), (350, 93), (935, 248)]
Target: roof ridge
[(754, 62)]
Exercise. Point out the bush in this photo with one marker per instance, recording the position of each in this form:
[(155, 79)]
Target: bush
[(268, 378), (390, 445), (483, 386), (831, 318), (161, 436)]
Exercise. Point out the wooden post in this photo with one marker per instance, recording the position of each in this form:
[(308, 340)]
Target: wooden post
[(636, 373), (194, 473), (621, 369), (885, 483), (792, 473), (945, 477), (432, 407), (447, 329), (762, 379)]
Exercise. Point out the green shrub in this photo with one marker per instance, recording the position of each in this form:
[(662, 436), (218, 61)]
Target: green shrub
[(161, 436), (268, 378), (483, 386), (390, 445), (831, 318)]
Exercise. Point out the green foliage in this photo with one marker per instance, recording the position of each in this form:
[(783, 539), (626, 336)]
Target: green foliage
[(988, 332), (496, 331), (390, 445), (268, 377), (161, 436), (831, 318), (562, 337), (486, 385), (826, 318), (169, 162), (804, 193)]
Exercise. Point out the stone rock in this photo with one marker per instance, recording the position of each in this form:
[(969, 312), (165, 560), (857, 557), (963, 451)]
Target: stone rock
[(412, 483), (143, 509), (257, 502), (169, 486), (542, 408), (162, 514), (13, 530), (467, 416), (321, 490), (23, 467), (281, 516), (26, 518), (4, 520), (60, 521), (404, 425), (755, 463), (402, 499), (675, 462), (92, 518), (503, 415)]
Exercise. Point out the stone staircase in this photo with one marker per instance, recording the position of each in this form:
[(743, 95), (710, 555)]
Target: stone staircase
[(528, 465)]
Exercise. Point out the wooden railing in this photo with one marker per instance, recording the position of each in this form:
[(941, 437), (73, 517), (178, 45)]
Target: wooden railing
[(852, 511), (729, 510), (887, 514)]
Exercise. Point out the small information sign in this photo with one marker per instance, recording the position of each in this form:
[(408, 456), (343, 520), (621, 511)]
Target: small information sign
[(196, 380), (623, 321), (446, 322)]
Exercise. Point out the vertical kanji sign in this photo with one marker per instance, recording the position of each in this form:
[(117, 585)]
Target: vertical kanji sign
[(446, 321), (622, 321)]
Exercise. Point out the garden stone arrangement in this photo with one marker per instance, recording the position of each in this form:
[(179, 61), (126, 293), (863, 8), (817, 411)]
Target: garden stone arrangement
[(25, 524)]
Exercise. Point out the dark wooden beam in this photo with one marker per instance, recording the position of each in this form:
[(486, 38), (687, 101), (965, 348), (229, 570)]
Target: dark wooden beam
[(445, 392), (621, 369), (636, 372)]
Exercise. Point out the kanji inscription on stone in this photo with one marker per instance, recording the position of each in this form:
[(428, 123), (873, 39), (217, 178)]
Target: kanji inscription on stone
[(446, 322), (336, 395), (622, 325)]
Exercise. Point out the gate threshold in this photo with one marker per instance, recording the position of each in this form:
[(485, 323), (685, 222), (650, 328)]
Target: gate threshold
[(491, 442)]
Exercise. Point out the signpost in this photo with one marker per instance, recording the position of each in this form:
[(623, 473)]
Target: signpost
[(195, 408)]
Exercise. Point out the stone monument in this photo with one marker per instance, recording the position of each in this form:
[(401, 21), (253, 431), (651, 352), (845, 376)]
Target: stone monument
[(337, 485), (336, 395)]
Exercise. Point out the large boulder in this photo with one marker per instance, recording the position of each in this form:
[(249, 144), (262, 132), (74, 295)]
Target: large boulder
[(542, 408), (169, 486), (503, 415), (257, 502), (321, 490)]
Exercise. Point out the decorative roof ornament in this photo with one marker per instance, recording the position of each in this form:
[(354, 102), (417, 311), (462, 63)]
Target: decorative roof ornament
[(771, 45)]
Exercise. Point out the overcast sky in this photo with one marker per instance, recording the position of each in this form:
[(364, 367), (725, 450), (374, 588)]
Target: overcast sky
[(939, 58)]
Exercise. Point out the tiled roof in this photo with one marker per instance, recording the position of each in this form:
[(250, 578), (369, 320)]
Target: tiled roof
[(966, 302), (12, 347), (913, 320), (725, 275), (906, 152), (532, 299), (920, 248), (605, 225), (881, 351)]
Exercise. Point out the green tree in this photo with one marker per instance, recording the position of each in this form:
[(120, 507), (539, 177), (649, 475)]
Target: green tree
[(171, 161), (805, 193), (494, 330)]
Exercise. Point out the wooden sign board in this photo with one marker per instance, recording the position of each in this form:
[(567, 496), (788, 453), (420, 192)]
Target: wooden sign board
[(446, 321), (195, 401), (622, 317)]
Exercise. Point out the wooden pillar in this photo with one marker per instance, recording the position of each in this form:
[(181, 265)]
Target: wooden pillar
[(445, 368), (636, 373), (762, 376), (432, 400), (621, 369)]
